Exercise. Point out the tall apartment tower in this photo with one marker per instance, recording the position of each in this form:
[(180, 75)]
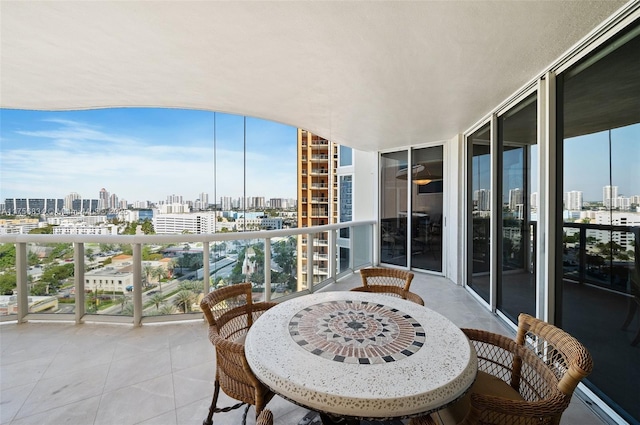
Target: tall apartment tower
[(317, 201), (609, 196), (204, 200), (103, 199), (573, 200)]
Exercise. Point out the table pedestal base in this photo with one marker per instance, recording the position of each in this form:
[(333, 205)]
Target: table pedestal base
[(327, 420)]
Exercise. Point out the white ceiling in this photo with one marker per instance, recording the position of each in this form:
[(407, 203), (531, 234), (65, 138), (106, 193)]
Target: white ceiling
[(371, 75)]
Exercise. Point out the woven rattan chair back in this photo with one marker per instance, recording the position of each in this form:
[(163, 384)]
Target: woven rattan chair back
[(564, 355), (388, 281), (543, 365), (230, 312)]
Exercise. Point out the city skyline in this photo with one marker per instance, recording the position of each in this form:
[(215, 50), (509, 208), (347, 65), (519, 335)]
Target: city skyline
[(133, 153)]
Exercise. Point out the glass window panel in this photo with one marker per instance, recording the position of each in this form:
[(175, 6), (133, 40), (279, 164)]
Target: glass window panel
[(480, 209), (517, 138), (346, 203), (599, 292), (393, 205), (426, 208), (346, 156)]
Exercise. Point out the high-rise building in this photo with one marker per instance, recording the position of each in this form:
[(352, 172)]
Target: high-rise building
[(482, 197), (515, 199), (174, 199), (103, 199), (573, 200), (68, 200), (113, 201), (226, 203), (609, 196), (204, 200), (317, 201)]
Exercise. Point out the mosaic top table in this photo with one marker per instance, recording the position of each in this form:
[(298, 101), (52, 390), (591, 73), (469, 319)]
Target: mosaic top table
[(361, 355)]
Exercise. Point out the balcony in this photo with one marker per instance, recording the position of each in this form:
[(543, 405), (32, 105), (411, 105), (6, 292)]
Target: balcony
[(131, 289), (163, 374)]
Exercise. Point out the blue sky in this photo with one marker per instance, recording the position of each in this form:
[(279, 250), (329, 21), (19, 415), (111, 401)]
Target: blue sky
[(587, 162), (143, 154)]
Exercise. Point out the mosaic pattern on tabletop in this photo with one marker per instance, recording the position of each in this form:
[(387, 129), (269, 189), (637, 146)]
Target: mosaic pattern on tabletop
[(357, 332)]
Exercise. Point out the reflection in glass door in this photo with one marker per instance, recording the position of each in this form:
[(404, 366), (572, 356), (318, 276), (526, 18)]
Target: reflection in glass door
[(426, 208), (479, 201), (517, 138), (393, 205)]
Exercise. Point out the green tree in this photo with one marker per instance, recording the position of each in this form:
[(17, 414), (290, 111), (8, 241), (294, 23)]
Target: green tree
[(7, 256), (7, 283), (47, 230), (148, 272), (183, 300), (127, 310), (60, 251), (147, 227), (123, 300), (285, 255), (167, 309), (54, 275), (159, 273), (105, 247), (39, 289), (32, 258), (157, 299)]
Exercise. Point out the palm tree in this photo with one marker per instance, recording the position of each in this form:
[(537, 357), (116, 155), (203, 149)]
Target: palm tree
[(167, 309), (123, 302), (157, 299), (148, 271), (159, 273), (184, 299)]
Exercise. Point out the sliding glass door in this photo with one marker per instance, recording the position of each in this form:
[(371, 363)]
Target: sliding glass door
[(479, 202), (517, 147), (426, 208)]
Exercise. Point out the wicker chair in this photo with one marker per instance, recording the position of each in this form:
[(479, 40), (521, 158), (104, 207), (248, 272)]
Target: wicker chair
[(230, 312), (526, 381), (388, 281), (265, 418)]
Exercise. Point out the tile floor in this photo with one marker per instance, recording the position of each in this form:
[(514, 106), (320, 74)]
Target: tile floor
[(61, 373)]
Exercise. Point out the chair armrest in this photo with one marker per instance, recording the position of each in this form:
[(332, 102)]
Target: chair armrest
[(491, 338)]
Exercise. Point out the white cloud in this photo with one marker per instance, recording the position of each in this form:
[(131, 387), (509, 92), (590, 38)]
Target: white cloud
[(81, 158)]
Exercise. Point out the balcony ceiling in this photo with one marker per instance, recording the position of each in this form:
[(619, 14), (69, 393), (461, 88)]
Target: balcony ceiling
[(371, 75)]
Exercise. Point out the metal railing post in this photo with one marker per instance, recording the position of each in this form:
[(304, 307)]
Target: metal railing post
[(22, 281), (206, 273), (332, 242), (78, 277), (137, 284), (582, 261), (310, 262), (267, 269)]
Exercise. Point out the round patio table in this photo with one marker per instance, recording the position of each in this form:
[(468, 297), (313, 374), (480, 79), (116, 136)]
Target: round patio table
[(357, 355)]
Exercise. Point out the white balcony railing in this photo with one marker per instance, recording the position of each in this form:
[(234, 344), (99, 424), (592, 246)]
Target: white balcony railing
[(84, 293)]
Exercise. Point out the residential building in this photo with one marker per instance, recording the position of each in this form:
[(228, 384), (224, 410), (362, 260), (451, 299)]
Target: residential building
[(573, 200), (317, 201)]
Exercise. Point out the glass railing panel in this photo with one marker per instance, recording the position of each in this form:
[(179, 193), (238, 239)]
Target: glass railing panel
[(50, 278), (168, 271), (284, 260), (108, 279), (8, 276), (362, 246)]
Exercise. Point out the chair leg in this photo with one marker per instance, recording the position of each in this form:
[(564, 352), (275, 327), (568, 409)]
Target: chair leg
[(216, 392)]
